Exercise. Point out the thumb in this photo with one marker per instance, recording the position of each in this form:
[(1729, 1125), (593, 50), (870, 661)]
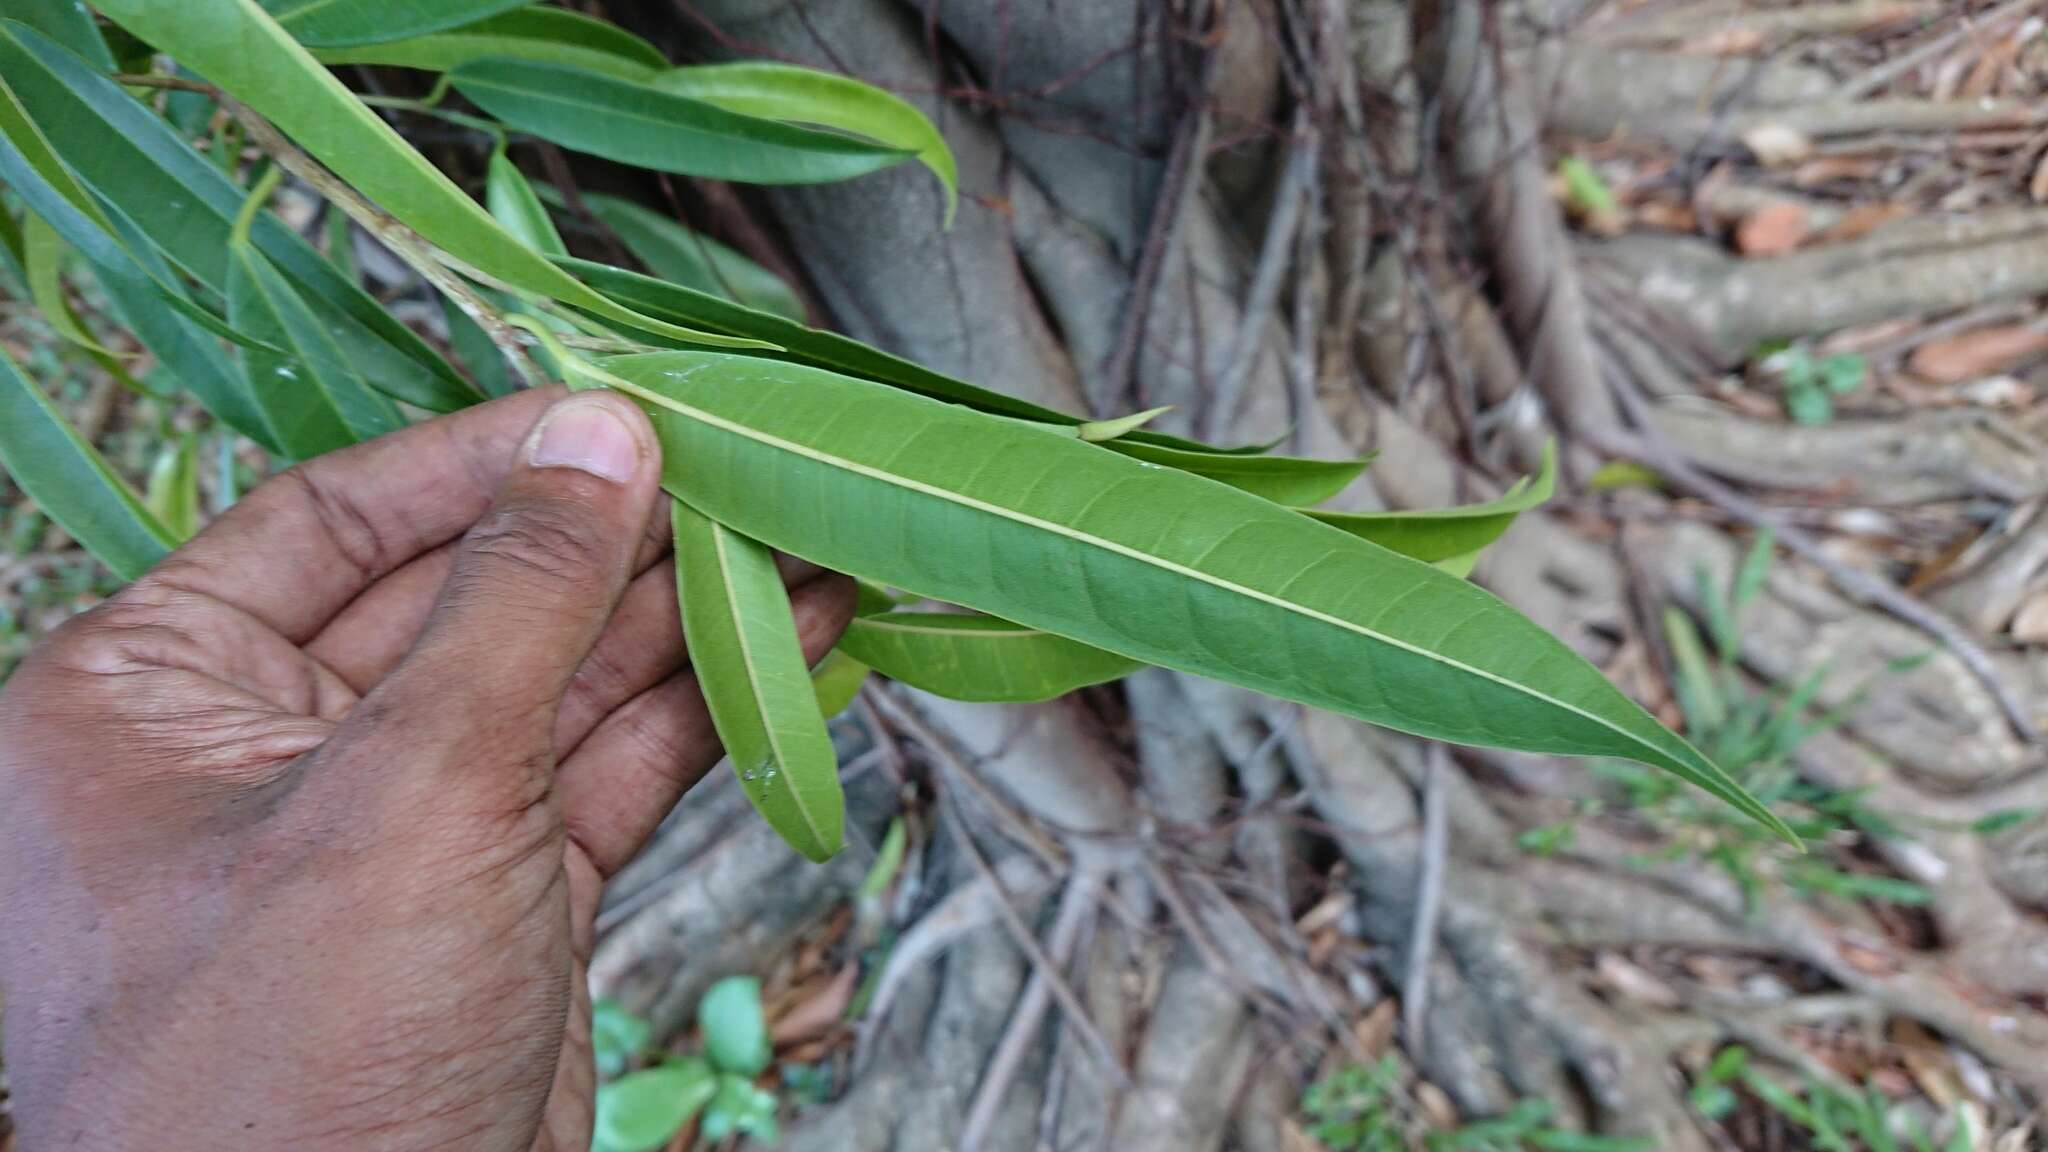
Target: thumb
[(535, 580)]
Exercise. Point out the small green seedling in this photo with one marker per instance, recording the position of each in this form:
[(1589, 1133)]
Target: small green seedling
[(1363, 1108), (1834, 1118), (641, 1111), (1811, 384)]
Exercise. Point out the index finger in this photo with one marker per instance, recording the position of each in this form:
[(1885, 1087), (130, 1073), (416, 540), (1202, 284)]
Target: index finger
[(306, 542)]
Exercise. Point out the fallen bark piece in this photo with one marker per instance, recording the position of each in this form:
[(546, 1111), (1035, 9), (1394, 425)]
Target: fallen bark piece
[(1977, 353)]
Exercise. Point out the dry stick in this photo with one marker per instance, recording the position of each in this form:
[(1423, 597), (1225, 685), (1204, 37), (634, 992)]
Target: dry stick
[(1428, 897), (1022, 827), (1650, 449), (401, 240), (1883, 74), (1288, 202), (1077, 905)]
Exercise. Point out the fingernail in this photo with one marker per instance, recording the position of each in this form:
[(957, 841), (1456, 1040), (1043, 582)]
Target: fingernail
[(586, 434)]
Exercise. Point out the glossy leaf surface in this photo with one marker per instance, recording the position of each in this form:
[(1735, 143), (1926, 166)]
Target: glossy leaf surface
[(69, 23), (550, 34), (807, 96), (71, 482), (1152, 563), (512, 203), (743, 643), (338, 22), (964, 657), (638, 124)]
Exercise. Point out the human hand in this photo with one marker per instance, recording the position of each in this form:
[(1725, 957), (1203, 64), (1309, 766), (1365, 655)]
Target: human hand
[(302, 833)]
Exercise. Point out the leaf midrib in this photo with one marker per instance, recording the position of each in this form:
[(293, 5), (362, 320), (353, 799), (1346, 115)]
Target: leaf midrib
[(1129, 552)]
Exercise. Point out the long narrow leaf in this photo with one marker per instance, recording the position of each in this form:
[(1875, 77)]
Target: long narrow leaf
[(237, 46), (69, 23), (743, 644), (512, 202), (343, 22), (963, 657), (1295, 481), (185, 204), (549, 34), (681, 256), (806, 96), (311, 404), (1450, 534), (641, 125), (823, 349), (71, 483), (43, 253), (173, 492), (1151, 563)]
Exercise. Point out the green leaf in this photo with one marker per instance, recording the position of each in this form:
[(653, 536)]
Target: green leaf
[(311, 402), (735, 1032), (185, 205), (43, 253), (639, 1112), (2004, 819), (476, 351), (680, 255), (512, 202), (963, 657), (336, 23), (1585, 188), (1151, 563), (806, 96), (1296, 481), (743, 643), (173, 492), (69, 23), (234, 44), (836, 681), (814, 346), (641, 125), (1100, 431), (616, 1036), (888, 861), (1439, 534), (739, 1107), (71, 483), (549, 34)]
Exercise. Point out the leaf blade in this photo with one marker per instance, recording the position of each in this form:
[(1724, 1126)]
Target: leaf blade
[(345, 22), (805, 95), (1441, 535), (549, 34), (238, 47), (742, 639), (71, 482), (642, 125), (978, 658), (1152, 564)]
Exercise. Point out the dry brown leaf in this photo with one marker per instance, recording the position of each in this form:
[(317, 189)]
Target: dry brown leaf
[(2017, 1140), (1862, 220), (1977, 353), (1375, 1030), (1773, 229), (818, 1012), (1666, 215), (1777, 145), (2038, 186), (2030, 623), (1436, 1106)]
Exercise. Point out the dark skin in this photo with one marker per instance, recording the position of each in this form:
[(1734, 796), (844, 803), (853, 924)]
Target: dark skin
[(302, 833)]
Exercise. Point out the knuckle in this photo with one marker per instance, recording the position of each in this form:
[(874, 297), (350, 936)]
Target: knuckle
[(546, 541), (353, 531)]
